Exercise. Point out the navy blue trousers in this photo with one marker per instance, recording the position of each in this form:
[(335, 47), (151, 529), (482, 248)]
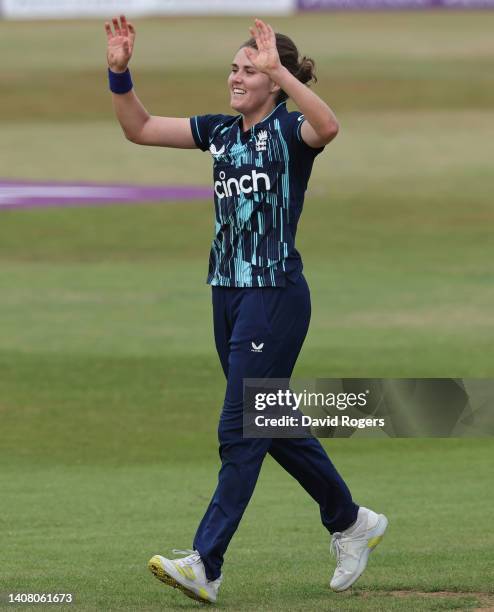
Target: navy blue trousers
[(278, 318)]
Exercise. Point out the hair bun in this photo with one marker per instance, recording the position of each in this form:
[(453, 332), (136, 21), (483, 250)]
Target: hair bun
[(305, 72)]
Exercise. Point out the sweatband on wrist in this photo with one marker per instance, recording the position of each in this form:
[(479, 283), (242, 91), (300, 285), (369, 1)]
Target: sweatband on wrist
[(120, 82)]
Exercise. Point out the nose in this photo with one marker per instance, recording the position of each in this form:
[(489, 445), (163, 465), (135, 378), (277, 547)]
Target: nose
[(236, 78)]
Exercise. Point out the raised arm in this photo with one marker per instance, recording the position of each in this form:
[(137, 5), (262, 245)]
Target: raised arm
[(137, 124), (321, 125)]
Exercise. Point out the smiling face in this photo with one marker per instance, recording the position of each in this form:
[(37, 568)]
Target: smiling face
[(250, 90)]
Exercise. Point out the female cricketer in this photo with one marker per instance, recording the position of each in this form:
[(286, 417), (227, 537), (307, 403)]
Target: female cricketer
[(262, 159)]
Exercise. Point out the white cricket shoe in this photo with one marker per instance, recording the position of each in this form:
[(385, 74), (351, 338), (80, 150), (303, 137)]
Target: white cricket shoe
[(353, 546), (187, 574)]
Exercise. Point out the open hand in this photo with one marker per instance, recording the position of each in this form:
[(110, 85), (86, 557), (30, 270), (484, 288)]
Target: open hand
[(119, 44), (265, 58)]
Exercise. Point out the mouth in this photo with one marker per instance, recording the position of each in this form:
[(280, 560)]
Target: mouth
[(237, 91)]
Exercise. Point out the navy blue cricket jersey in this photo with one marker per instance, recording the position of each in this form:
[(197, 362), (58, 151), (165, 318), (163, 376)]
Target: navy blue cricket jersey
[(260, 177)]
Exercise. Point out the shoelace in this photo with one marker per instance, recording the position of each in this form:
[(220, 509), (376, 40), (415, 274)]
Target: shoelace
[(192, 555), (337, 547)]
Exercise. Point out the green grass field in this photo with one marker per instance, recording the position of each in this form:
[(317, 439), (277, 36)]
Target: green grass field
[(110, 388)]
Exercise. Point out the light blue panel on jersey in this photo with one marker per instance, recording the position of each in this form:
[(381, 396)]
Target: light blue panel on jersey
[(260, 177)]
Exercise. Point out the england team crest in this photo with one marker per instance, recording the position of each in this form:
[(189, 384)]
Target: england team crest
[(262, 140)]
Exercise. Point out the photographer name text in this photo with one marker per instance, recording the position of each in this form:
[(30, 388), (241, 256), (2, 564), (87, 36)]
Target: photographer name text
[(308, 421)]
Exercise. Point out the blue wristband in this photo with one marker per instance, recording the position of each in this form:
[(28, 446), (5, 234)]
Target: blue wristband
[(120, 82)]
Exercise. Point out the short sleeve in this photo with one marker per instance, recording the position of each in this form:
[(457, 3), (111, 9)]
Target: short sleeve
[(303, 149), (203, 128)]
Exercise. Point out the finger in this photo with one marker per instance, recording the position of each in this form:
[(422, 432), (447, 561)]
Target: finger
[(253, 30), (251, 53), (261, 26), (132, 31), (256, 26), (268, 32), (257, 36), (265, 34), (123, 21), (272, 39), (116, 26), (109, 33)]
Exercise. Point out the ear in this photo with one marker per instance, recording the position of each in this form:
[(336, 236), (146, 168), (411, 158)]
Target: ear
[(275, 88)]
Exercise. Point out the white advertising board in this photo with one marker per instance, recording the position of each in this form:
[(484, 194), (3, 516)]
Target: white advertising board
[(66, 9)]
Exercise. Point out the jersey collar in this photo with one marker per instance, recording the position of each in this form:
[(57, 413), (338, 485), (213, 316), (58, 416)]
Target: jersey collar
[(277, 110)]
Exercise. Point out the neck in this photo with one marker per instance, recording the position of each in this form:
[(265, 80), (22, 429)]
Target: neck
[(250, 119)]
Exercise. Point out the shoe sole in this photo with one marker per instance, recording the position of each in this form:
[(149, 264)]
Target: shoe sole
[(379, 530), (159, 571)]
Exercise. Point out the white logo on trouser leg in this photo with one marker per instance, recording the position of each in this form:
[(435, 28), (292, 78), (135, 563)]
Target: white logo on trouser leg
[(256, 348)]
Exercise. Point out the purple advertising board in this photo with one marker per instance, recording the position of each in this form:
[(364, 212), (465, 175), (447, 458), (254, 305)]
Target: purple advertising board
[(322, 5)]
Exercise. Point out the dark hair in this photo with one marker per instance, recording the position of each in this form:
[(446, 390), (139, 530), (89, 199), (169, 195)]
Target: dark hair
[(301, 67)]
